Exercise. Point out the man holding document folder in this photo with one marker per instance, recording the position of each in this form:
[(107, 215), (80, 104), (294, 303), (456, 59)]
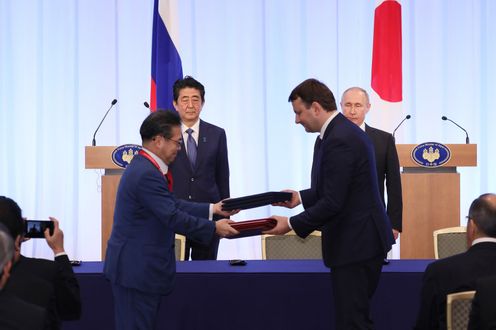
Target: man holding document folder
[(343, 202), (140, 261)]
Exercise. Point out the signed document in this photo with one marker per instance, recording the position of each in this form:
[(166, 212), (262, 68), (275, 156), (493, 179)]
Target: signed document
[(252, 227)]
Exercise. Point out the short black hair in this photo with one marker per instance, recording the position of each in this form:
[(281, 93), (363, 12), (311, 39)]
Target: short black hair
[(190, 82), (483, 212), (159, 122), (11, 217), (312, 90)]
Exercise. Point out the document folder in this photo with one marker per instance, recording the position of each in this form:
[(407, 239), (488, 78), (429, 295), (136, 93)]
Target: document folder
[(252, 201), (252, 227)]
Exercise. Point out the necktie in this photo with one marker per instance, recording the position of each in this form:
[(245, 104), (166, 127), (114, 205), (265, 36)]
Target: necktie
[(170, 181), (191, 148), (316, 162)]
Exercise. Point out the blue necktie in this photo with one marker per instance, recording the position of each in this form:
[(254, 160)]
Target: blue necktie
[(191, 148)]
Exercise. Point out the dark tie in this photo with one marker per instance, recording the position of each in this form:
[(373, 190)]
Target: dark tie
[(170, 181), (316, 162), (191, 147)]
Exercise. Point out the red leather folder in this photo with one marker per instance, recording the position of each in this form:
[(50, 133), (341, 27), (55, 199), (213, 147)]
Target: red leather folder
[(253, 227)]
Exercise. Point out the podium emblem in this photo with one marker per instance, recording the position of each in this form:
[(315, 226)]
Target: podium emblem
[(431, 154), (122, 155)]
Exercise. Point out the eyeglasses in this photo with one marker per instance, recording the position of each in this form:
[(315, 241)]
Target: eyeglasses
[(178, 142)]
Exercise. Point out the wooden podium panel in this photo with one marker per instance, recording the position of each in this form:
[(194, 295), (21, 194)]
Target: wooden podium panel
[(431, 198), (110, 183), (428, 204), (100, 157)]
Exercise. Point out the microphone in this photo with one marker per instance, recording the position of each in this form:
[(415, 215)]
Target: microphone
[(146, 105), (114, 101), (467, 140), (407, 117)]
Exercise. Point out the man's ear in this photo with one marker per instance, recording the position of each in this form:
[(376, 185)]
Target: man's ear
[(472, 230), (316, 108), (17, 243)]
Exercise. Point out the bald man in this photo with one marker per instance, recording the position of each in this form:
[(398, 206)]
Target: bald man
[(355, 105)]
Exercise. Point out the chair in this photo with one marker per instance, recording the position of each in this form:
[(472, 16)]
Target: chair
[(449, 241), (290, 246), (458, 306), (180, 247)]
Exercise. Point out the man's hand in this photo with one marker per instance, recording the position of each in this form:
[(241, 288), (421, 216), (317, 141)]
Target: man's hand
[(55, 241), (396, 233), (281, 228), (217, 209), (295, 200), (224, 229)]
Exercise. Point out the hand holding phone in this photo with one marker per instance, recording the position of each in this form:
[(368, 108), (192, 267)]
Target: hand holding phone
[(55, 239)]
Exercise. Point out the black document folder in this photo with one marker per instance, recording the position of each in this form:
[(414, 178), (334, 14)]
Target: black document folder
[(253, 227), (252, 201)]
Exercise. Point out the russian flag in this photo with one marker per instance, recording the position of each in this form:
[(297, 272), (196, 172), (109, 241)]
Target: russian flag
[(387, 77), (166, 62)]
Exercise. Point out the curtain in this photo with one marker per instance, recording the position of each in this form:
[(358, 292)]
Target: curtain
[(63, 61)]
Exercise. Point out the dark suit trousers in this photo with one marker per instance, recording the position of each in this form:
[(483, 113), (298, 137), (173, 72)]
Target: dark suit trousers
[(353, 286), (200, 251), (135, 309)]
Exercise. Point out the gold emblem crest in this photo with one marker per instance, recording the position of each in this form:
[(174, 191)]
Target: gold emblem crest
[(431, 154)]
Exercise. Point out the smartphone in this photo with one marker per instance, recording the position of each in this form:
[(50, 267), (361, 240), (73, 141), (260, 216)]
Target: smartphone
[(237, 262), (36, 228)]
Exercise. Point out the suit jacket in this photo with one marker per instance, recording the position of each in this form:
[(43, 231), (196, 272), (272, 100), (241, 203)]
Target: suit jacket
[(453, 274), (208, 181), (483, 313), (49, 284), (344, 200), (140, 251), (388, 169), (16, 314)]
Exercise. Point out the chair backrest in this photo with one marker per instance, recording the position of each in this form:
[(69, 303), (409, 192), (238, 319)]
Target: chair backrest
[(180, 247), (449, 241), (458, 306), (290, 246)]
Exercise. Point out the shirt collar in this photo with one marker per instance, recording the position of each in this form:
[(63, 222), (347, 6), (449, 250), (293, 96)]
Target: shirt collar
[(195, 127), (163, 166), (484, 239), (327, 122), (363, 126)]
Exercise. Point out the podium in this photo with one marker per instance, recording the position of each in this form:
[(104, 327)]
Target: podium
[(100, 157), (431, 198)]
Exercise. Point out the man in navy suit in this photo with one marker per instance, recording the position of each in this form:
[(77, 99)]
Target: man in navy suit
[(140, 261), (343, 202), (201, 168), (460, 272), (483, 312), (355, 105)]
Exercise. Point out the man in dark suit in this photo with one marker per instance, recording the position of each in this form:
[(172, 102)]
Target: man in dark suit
[(460, 272), (47, 283), (201, 168), (140, 261), (15, 313), (355, 105), (343, 202), (483, 313)]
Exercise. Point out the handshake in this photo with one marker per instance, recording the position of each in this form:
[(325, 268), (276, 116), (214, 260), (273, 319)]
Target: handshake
[(274, 225)]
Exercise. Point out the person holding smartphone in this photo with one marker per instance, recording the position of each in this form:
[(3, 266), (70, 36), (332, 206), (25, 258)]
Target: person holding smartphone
[(47, 283)]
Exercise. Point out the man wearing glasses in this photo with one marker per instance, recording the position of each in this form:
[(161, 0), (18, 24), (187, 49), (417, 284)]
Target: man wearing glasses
[(201, 168), (140, 261)]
